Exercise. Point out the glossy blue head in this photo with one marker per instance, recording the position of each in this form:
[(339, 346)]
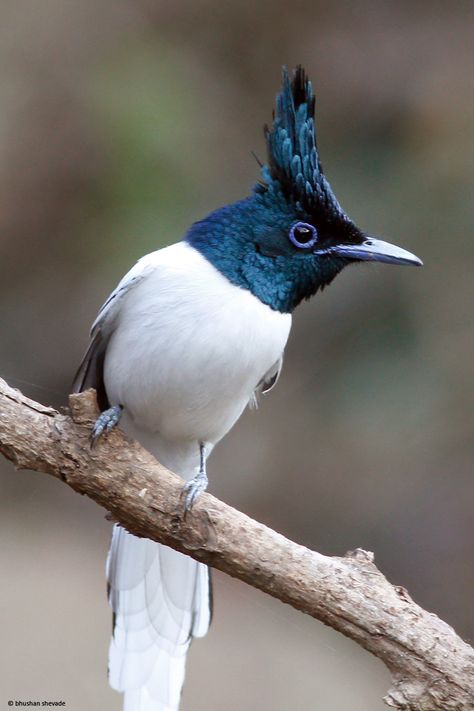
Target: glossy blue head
[(291, 236)]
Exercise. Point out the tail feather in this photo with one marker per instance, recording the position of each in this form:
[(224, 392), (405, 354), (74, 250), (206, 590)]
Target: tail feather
[(141, 700), (203, 603), (161, 601)]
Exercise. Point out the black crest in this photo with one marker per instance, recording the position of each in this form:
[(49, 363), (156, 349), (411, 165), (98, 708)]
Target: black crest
[(292, 150)]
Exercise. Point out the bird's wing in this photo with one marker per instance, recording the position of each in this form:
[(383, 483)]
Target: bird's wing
[(270, 378), (266, 383), (90, 373)]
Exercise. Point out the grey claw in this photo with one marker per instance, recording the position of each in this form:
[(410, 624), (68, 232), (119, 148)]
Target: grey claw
[(193, 489), (106, 421)]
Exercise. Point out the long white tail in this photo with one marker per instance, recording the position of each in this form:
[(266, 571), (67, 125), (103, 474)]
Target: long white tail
[(161, 600)]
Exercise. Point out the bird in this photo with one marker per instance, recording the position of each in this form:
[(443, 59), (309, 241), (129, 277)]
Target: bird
[(192, 334)]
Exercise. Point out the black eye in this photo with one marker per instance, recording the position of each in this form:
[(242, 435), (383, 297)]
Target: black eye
[(303, 235)]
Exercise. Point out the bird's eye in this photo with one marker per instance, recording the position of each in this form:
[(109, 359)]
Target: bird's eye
[(303, 235)]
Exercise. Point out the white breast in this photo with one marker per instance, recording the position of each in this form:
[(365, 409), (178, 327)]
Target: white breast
[(189, 347)]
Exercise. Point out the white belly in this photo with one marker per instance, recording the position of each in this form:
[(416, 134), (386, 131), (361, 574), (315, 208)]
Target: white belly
[(190, 348)]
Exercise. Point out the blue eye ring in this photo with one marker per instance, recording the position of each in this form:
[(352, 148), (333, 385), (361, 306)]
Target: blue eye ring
[(303, 235)]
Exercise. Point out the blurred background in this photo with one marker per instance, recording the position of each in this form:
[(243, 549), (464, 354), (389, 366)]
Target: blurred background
[(120, 124)]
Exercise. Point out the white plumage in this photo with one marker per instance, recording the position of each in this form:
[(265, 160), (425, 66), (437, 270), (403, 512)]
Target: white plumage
[(188, 347), (183, 351)]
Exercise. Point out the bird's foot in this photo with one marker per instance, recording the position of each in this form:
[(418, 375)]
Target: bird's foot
[(193, 488), (106, 421)]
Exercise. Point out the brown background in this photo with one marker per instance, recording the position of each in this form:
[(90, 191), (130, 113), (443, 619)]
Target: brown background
[(121, 123)]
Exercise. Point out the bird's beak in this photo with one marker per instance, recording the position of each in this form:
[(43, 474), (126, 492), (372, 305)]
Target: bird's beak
[(376, 250)]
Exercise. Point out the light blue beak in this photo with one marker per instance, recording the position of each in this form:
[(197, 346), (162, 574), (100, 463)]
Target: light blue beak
[(376, 250)]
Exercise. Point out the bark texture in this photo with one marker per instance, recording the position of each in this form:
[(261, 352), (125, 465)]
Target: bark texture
[(432, 668)]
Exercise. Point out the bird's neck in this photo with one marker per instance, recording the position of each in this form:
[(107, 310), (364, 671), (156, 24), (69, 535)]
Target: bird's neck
[(228, 238)]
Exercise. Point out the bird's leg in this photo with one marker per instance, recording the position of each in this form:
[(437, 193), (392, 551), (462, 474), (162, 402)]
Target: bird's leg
[(193, 488), (107, 420)]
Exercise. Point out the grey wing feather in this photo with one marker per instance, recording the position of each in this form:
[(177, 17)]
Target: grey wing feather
[(90, 373), (91, 369), (271, 377), (268, 382)]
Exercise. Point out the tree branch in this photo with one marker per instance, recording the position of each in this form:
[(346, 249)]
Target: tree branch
[(432, 668)]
